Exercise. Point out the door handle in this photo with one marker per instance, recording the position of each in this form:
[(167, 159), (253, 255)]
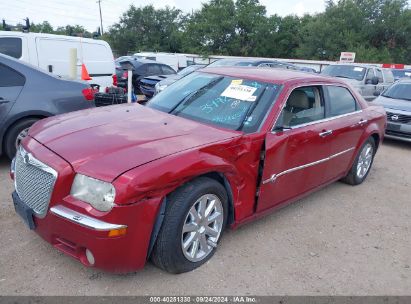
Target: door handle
[(2, 100), (362, 122), (326, 133)]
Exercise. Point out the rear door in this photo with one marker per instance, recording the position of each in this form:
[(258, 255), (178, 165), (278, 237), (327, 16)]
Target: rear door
[(347, 124), (11, 84), (295, 156)]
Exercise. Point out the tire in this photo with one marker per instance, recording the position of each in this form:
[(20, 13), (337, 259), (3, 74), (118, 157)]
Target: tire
[(183, 205), (356, 175), (11, 140)]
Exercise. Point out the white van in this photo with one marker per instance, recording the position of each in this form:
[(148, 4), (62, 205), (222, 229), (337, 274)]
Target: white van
[(51, 53), (176, 61)]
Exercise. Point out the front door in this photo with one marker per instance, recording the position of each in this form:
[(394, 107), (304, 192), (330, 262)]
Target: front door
[(296, 150)]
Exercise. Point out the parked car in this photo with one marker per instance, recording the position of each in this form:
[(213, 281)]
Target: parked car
[(141, 68), (397, 103), (368, 80), (222, 146), (154, 84), (28, 94), (403, 73), (52, 54), (175, 61)]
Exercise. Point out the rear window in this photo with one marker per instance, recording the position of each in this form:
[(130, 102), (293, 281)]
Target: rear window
[(10, 78), (11, 47)]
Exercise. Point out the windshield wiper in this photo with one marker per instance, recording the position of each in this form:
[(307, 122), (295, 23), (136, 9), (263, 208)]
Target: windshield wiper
[(186, 101), (250, 110)]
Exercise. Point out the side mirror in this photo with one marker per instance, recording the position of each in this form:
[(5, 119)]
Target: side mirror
[(374, 80), (377, 93)]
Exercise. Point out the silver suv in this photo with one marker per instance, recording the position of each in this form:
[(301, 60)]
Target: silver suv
[(369, 80)]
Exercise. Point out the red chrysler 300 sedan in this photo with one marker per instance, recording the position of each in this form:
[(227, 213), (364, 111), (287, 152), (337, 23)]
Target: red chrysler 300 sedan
[(115, 186)]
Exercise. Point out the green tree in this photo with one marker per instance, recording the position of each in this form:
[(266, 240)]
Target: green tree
[(146, 28), (211, 30)]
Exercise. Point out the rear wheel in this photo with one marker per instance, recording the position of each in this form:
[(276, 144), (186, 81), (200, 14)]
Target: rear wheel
[(16, 134), (195, 218), (362, 164)]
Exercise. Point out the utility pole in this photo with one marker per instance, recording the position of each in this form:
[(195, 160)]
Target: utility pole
[(101, 18)]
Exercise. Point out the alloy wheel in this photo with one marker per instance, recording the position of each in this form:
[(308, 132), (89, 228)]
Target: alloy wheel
[(365, 160), (202, 228)]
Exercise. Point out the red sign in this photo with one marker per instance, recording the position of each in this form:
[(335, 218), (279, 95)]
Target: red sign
[(393, 66)]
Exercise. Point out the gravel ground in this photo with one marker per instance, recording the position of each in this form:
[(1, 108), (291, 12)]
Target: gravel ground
[(341, 240)]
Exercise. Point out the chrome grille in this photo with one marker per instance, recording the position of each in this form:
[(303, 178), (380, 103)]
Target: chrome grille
[(34, 182), (401, 118)]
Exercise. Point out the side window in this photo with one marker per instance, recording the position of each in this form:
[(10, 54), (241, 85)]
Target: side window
[(10, 78), (167, 70), (340, 101), (153, 69), (370, 75), (304, 105), (379, 75), (11, 46)]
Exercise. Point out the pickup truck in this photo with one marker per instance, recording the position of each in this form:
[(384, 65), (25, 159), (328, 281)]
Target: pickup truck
[(368, 80)]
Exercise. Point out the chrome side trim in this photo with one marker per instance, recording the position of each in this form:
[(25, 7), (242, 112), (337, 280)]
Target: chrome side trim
[(318, 121), (275, 176), (84, 220)]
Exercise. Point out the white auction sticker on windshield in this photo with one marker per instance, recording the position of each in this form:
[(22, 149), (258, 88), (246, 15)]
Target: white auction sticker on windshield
[(239, 91), (357, 69)]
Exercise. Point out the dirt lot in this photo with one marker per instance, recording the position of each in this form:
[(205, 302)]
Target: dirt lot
[(341, 240)]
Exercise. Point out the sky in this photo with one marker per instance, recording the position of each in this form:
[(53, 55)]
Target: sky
[(86, 13)]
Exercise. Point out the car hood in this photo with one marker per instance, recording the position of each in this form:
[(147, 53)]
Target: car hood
[(395, 104), (106, 142)]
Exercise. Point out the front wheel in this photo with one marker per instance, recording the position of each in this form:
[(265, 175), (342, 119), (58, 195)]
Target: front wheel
[(196, 215), (362, 164)]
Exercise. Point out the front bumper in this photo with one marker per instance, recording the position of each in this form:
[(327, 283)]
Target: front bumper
[(73, 227), (399, 131)]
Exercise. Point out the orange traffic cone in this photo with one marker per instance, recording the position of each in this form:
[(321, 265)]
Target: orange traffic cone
[(84, 73)]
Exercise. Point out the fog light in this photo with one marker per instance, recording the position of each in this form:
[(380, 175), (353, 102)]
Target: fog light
[(90, 257)]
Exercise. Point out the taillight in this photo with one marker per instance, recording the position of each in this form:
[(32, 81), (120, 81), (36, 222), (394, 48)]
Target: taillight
[(115, 80), (125, 75), (88, 94)]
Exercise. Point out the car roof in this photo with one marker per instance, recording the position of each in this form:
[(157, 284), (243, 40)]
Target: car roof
[(270, 75)]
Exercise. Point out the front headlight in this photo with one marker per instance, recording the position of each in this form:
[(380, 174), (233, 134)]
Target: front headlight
[(160, 87), (97, 193)]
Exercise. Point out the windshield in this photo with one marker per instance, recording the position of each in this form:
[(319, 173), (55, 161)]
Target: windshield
[(402, 73), (399, 91), (227, 102), (345, 71)]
